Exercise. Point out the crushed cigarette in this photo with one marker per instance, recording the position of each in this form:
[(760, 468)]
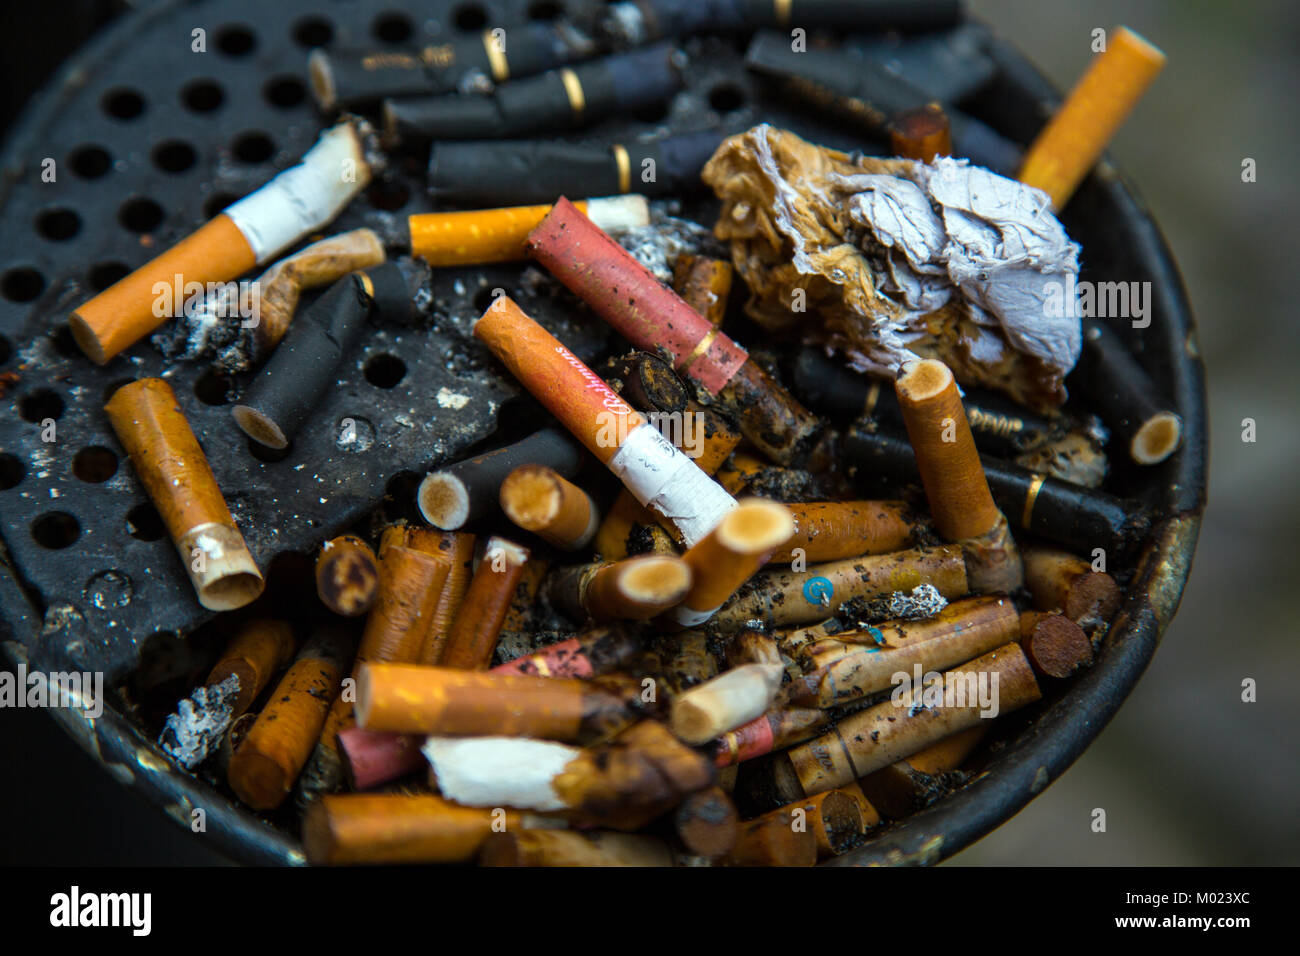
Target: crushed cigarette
[(195, 730)]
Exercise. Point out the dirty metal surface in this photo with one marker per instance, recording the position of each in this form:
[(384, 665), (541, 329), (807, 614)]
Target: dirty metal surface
[(151, 139)]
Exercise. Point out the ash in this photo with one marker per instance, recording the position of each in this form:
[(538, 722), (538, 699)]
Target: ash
[(195, 729), (658, 244), (924, 601)]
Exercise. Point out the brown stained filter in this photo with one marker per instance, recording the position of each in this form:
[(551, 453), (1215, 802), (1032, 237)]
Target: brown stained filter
[(902, 788), (280, 287), (921, 133), (1061, 581), (752, 647), (704, 284), (786, 598), (397, 828), (834, 817), (774, 840), (833, 530), (946, 457), (1055, 645), (264, 768), (540, 500), (440, 701), (456, 548), (347, 575), (729, 554), (893, 730), (175, 473), (410, 584), (707, 823), (636, 589), (569, 848), (1156, 439), (720, 438), (629, 528), (476, 628), (261, 648)]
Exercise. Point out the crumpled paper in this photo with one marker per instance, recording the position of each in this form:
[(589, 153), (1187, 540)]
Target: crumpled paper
[(893, 260)]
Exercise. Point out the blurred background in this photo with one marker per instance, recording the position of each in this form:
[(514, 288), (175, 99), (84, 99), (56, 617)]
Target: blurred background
[(1187, 773)]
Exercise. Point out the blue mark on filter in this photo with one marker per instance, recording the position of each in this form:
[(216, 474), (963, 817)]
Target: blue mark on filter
[(818, 590)]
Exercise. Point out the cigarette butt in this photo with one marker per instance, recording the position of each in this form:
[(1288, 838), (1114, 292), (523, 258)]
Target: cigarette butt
[(833, 530), (371, 758), (891, 731), (595, 652), (835, 819), (175, 473), (762, 735), (651, 316), (441, 701), (752, 647), (253, 230), (656, 473), (347, 575), (482, 236), (635, 589), (1060, 581), (457, 549), (570, 848), (870, 817), (540, 500), (707, 823), (775, 839), (477, 627), (785, 598), (280, 287), (1072, 141), (1055, 645), (264, 768), (945, 452), (725, 702), (704, 284), (469, 490), (232, 738), (737, 547), (628, 529), (254, 655), (395, 828), (921, 133), (902, 788), (856, 664)]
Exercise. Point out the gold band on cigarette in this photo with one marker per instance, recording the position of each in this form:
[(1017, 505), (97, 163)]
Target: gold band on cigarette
[(496, 54), (1034, 488), (624, 165), (573, 89), (781, 10), (700, 348), (873, 396)]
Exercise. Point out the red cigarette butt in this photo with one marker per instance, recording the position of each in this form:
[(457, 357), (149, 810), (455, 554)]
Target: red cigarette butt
[(627, 296), (563, 659), (557, 378), (375, 758), (745, 742)]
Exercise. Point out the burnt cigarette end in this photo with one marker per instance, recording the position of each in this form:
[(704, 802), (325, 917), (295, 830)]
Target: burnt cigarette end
[(1055, 645)]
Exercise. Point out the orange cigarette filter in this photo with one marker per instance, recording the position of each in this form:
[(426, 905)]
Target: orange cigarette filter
[(628, 523), (442, 701), (540, 500), (476, 628), (398, 828), (704, 284), (921, 133), (261, 648), (635, 588), (734, 550), (271, 757), (253, 230), (946, 457), (832, 530), (478, 236), (457, 547), (175, 473), (1075, 137)]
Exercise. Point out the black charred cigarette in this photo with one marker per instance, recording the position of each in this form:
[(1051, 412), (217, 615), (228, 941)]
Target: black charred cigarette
[(354, 79), (540, 171), (1142, 420), (868, 93), (300, 370), (999, 426), (303, 366), (1077, 517), (640, 21), (567, 98), (470, 489), (647, 382)]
